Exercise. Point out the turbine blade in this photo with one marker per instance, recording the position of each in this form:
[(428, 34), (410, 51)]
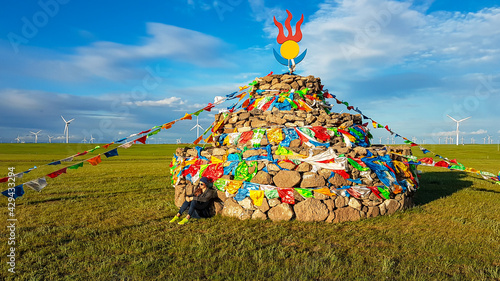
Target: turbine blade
[(452, 118), (464, 119), (71, 120)]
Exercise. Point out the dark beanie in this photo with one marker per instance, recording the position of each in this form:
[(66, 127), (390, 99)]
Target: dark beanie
[(205, 180)]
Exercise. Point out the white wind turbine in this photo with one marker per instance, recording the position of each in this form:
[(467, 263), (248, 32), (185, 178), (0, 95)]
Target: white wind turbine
[(179, 140), (458, 123), (36, 135), (84, 140), (18, 139), (91, 139), (66, 127), (50, 138), (198, 127)]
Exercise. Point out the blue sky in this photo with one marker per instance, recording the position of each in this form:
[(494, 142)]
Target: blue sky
[(120, 67)]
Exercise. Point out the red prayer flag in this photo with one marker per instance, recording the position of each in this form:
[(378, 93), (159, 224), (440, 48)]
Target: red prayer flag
[(320, 133), (426, 160), (214, 171), (286, 195), (342, 173), (96, 160), (209, 107), (145, 132), (375, 191), (142, 139), (57, 173), (245, 137), (6, 179), (442, 163), (81, 153)]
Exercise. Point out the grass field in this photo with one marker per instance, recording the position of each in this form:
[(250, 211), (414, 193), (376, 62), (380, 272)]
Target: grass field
[(110, 222)]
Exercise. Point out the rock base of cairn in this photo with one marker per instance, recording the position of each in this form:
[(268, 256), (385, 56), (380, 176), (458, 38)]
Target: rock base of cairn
[(357, 191)]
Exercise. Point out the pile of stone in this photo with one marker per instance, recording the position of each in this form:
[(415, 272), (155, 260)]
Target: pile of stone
[(349, 200)]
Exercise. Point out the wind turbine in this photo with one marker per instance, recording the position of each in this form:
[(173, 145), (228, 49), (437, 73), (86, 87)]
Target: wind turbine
[(36, 135), (198, 127), (18, 139), (50, 138), (458, 123), (472, 140), (66, 127), (91, 139), (179, 140), (84, 140)]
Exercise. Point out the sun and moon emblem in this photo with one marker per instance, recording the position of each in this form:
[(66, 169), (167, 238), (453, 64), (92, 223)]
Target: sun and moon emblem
[(289, 48)]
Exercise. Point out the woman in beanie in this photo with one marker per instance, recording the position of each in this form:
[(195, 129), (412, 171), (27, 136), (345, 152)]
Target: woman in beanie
[(198, 202)]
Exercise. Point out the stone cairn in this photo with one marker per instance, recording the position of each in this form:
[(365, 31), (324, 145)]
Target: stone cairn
[(271, 158)]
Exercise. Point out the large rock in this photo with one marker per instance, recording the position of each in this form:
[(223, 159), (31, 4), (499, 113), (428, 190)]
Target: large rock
[(247, 204), (274, 202), (180, 195), (346, 214), (341, 201), (338, 180), (262, 178), (303, 167), (355, 204), (286, 179), (311, 179), (282, 212), (391, 206), (232, 208), (259, 215), (311, 209), (264, 207), (373, 212)]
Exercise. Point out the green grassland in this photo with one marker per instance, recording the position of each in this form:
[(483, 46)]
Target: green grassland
[(110, 222)]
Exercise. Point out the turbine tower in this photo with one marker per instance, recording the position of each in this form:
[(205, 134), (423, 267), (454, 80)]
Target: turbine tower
[(50, 138), (66, 127), (458, 123), (198, 127), (36, 135)]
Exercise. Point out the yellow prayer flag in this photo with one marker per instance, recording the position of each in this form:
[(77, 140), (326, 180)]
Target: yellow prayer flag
[(275, 135), (324, 191), (257, 197), (216, 160)]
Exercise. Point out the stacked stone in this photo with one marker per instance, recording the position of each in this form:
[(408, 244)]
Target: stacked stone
[(321, 207)]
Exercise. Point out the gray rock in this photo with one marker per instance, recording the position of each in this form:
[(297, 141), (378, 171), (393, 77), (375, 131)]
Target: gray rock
[(232, 208), (311, 209), (346, 214)]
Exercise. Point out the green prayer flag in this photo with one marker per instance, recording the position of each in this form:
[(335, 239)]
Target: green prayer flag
[(307, 131), (153, 133), (93, 149), (271, 193), (221, 184), (76, 166), (198, 112), (357, 165), (384, 191), (306, 193)]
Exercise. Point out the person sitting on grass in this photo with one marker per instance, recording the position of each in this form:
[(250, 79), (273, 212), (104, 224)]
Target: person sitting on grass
[(198, 203)]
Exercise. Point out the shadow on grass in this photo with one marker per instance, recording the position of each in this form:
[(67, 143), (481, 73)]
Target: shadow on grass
[(435, 185)]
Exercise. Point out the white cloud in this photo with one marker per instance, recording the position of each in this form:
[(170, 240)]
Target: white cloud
[(359, 37), (478, 132), (114, 61), (172, 101), (443, 134)]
